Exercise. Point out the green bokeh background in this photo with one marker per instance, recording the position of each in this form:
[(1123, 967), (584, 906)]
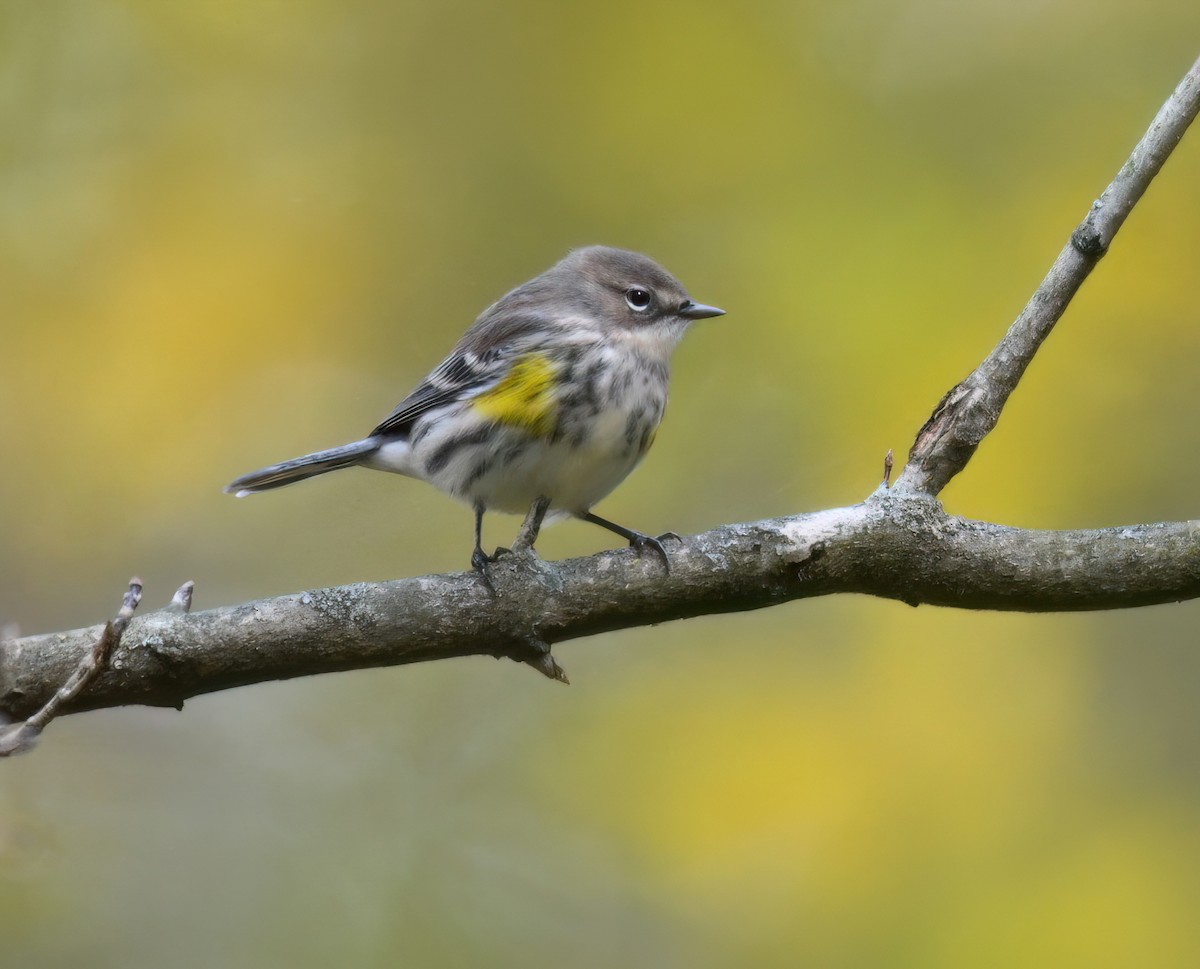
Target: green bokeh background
[(235, 232)]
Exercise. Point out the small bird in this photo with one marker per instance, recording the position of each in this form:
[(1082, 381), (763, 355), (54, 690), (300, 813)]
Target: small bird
[(545, 405)]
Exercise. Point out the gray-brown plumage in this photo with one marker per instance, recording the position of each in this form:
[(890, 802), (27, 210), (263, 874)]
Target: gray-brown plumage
[(554, 393)]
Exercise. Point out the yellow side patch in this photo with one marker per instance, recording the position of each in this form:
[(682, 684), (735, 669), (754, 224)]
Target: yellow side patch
[(524, 398)]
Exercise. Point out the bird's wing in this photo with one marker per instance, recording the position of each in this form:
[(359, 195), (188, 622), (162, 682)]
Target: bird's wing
[(460, 375), (481, 359)]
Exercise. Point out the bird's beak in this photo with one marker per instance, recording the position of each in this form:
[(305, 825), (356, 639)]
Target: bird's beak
[(698, 311)]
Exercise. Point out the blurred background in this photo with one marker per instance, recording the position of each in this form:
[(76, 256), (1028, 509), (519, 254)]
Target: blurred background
[(233, 233)]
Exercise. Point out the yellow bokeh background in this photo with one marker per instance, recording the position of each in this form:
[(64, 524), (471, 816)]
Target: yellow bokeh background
[(231, 233)]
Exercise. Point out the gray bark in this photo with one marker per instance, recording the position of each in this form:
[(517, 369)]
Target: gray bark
[(897, 546)]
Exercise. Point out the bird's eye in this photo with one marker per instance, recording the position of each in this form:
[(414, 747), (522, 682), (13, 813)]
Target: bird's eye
[(638, 299)]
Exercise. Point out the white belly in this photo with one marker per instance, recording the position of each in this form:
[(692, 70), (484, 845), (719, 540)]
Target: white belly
[(506, 469)]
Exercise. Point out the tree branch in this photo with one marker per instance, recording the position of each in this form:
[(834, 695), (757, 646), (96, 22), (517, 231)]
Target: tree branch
[(898, 544), (967, 414)]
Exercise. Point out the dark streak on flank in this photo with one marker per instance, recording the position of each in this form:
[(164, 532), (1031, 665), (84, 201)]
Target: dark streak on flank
[(444, 452)]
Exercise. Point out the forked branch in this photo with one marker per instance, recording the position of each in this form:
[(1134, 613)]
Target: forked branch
[(969, 411)]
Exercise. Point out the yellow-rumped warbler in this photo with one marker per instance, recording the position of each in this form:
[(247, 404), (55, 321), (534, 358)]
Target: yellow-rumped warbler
[(547, 402)]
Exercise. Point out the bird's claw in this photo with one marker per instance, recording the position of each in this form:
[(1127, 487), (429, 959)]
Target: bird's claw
[(481, 562), (524, 558), (641, 542)]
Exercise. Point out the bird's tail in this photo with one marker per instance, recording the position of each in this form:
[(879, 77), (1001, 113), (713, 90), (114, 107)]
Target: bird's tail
[(297, 469)]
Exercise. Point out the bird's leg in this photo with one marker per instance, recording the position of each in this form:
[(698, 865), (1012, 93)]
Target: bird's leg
[(479, 558), (525, 562), (522, 546), (636, 540), (528, 533)]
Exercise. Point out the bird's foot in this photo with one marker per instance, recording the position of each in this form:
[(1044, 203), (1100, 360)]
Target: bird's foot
[(640, 542), (480, 560), (482, 563), (521, 559)]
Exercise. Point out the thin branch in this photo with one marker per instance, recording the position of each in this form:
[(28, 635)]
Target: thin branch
[(895, 546), (16, 738), (967, 414)]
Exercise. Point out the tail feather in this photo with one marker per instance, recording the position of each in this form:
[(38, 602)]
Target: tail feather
[(297, 469)]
